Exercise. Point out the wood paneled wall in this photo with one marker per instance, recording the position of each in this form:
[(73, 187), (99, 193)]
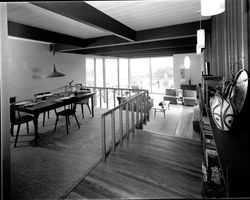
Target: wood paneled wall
[(227, 45)]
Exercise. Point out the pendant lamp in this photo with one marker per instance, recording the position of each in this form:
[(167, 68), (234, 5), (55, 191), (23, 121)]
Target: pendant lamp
[(212, 7), (198, 49), (54, 72), (200, 36)]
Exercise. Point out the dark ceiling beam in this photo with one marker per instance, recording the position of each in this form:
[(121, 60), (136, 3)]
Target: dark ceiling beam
[(162, 51), (140, 46), (174, 31), (28, 32), (149, 54), (169, 32), (83, 12)]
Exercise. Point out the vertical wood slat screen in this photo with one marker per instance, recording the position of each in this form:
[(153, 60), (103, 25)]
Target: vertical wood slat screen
[(229, 39)]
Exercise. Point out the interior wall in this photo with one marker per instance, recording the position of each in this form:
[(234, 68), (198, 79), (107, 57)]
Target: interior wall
[(194, 72), (4, 106), (30, 61)]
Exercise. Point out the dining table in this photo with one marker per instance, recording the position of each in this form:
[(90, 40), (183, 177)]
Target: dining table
[(51, 102)]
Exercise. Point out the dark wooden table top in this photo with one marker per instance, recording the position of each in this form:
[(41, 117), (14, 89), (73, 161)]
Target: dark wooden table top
[(52, 102)]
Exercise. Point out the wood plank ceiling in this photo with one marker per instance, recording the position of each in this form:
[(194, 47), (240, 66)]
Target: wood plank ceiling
[(110, 28)]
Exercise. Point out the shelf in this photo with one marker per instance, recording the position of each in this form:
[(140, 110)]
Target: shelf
[(233, 150)]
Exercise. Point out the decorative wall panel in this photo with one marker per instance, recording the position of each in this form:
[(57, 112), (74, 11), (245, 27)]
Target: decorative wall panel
[(227, 45)]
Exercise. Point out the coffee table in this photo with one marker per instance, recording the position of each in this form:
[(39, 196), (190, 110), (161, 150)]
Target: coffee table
[(162, 108)]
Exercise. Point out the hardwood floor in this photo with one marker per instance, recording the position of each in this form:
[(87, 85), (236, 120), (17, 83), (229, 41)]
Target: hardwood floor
[(147, 165)]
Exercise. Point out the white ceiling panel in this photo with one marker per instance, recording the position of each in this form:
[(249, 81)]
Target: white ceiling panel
[(140, 15), (31, 15)]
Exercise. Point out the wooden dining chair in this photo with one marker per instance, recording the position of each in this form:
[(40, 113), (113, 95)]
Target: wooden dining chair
[(67, 112), (17, 119), (82, 102), (42, 97)]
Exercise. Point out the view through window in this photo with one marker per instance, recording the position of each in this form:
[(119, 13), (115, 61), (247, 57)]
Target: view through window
[(154, 74)]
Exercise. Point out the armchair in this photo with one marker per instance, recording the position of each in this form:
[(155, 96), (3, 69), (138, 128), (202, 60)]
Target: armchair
[(190, 97), (171, 95)]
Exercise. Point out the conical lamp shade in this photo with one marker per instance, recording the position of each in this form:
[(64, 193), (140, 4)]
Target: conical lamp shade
[(54, 73)]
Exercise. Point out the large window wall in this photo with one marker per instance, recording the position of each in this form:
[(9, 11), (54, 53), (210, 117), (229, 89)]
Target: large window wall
[(154, 74)]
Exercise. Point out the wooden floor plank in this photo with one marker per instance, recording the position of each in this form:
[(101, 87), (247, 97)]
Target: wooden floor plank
[(147, 165)]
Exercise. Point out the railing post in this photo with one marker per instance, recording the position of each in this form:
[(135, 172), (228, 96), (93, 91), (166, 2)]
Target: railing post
[(114, 96), (145, 109), (121, 123), (103, 129), (107, 98), (94, 89), (137, 112), (141, 110), (132, 116), (127, 120), (113, 129), (100, 92)]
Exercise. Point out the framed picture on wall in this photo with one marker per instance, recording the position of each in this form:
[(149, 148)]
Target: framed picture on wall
[(183, 73)]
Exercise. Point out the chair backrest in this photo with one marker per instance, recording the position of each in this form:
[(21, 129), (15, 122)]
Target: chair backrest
[(190, 93), (12, 99), (171, 92), (71, 102), (14, 113)]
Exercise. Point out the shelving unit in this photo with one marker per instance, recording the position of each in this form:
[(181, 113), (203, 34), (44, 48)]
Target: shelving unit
[(232, 148)]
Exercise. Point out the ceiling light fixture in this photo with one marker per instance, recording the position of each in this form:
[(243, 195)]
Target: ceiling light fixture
[(212, 7), (54, 72), (200, 35), (198, 49)]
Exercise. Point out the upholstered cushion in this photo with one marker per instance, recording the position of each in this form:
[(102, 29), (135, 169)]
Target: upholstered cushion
[(171, 92)]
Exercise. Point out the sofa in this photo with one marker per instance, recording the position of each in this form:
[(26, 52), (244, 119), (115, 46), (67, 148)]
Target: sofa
[(171, 95), (189, 97)]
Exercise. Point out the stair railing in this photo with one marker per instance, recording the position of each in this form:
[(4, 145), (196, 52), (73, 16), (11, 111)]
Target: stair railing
[(104, 95), (133, 113)]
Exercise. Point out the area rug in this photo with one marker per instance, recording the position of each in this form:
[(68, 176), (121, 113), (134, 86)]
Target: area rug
[(167, 125), (60, 161)]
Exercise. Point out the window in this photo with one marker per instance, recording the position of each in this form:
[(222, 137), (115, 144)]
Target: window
[(154, 74), (162, 74), (90, 72), (123, 72), (99, 72), (140, 75), (111, 72)]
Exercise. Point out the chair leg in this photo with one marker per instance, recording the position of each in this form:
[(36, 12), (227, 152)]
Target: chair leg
[(44, 118), (66, 117), (88, 107), (27, 125), (77, 121), (48, 114), (68, 120), (82, 111), (56, 123), (17, 133), (12, 130)]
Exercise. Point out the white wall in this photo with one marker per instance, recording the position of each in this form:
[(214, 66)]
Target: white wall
[(195, 69), (27, 59)]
